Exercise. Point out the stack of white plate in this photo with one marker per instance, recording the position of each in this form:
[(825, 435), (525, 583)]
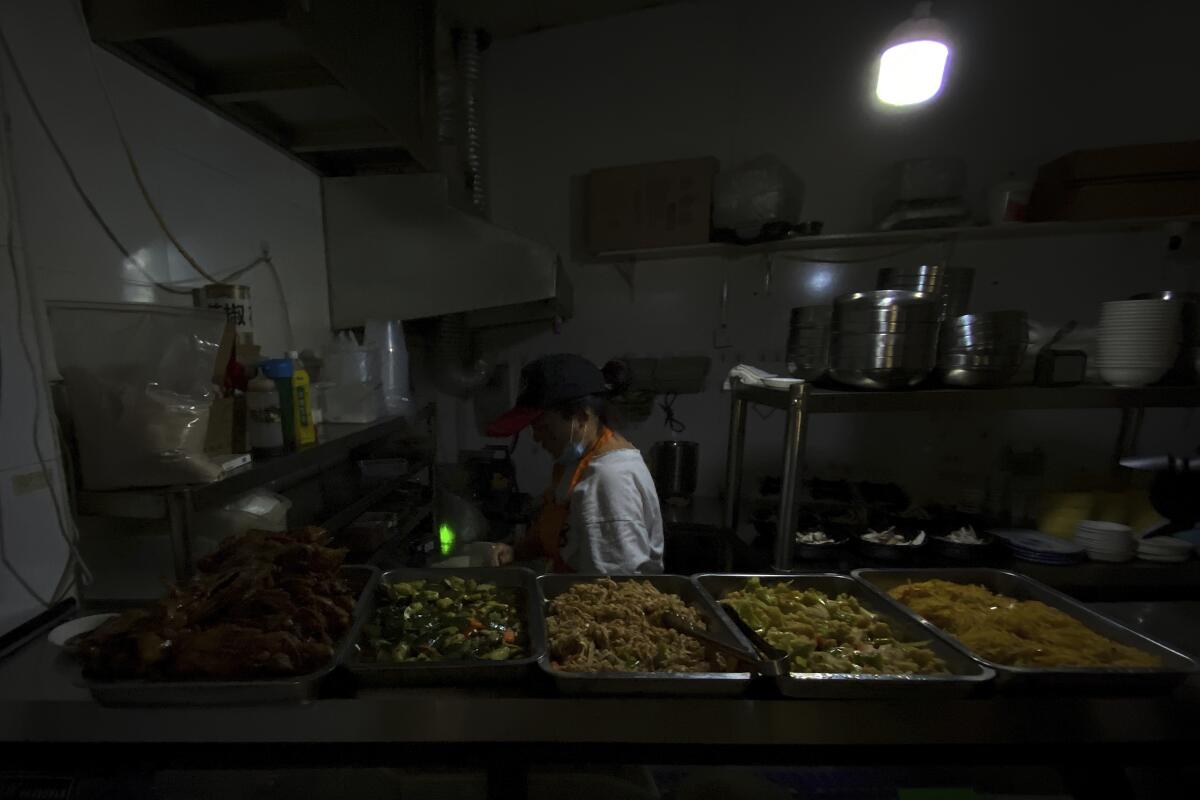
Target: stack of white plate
[(1040, 548), (1137, 340), (1105, 541), (1164, 549)]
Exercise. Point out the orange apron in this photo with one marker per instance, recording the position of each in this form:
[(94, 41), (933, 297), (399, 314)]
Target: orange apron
[(547, 527)]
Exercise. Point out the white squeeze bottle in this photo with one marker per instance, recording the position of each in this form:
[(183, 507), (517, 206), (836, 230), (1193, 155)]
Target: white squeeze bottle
[(263, 416)]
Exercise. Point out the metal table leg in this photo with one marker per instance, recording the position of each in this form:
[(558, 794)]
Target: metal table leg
[(179, 514), (733, 458), (793, 465), (1128, 434)]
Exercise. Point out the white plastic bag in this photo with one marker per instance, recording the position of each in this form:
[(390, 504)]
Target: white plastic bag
[(259, 510), (139, 380), (353, 391), (761, 191)]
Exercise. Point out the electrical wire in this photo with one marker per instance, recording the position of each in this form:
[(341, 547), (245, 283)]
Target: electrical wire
[(154, 210), (133, 166), (287, 317), (8, 564), (62, 157), (66, 526), (86, 198), (673, 423), (175, 289)]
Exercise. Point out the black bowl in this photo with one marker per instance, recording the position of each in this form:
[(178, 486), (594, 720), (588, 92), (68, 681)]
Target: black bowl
[(819, 552), (890, 552), (963, 552)]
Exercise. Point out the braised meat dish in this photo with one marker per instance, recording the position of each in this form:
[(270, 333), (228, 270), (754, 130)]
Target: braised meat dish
[(263, 605)]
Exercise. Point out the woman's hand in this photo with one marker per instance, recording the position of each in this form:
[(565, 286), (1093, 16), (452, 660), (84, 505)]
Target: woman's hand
[(501, 555)]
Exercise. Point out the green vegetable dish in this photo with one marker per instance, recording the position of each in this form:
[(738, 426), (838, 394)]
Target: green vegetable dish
[(450, 619), (824, 634)]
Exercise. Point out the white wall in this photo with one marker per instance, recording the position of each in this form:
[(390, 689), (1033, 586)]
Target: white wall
[(32, 546), (223, 192), (1030, 81)]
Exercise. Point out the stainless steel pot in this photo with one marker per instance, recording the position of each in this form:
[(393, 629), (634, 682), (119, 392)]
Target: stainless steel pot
[(983, 349), (808, 341), (881, 360), (951, 286), (675, 468), (883, 339), (885, 311)]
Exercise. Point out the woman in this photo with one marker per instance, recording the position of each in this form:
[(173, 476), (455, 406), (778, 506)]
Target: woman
[(600, 513)]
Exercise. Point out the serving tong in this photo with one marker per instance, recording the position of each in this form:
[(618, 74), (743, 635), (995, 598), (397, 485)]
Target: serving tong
[(772, 662)]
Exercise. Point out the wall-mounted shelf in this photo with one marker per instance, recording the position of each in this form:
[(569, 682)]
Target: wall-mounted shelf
[(834, 241), (1011, 398)]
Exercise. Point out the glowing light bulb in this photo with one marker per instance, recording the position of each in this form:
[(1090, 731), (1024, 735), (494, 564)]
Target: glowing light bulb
[(911, 72), (913, 65)]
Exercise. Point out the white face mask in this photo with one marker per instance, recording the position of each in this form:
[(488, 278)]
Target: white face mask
[(573, 450)]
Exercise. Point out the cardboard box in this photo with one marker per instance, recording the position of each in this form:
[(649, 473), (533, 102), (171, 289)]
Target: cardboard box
[(226, 432), (1147, 180), (663, 204)]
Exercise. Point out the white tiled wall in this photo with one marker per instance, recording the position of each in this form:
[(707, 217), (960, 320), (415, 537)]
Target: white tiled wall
[(1029, 81), (223, 192)]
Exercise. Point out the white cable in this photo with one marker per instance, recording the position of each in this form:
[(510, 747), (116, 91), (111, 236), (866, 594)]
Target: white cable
[(178, 288), (9, 565), (62, 157), (133, 165), (158, 217), (287, 317), (83, 195), (66, 524)]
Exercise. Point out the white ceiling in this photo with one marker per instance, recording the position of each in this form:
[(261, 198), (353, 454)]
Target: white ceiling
[(503, 18)]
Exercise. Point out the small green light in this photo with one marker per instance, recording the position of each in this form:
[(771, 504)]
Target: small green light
[(446, 539)]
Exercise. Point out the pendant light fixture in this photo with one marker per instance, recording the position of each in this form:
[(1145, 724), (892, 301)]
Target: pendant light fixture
[(913, 64)]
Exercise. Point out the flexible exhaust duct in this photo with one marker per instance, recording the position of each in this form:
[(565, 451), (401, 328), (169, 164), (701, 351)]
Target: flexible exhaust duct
[(457, 369), (471, 62)]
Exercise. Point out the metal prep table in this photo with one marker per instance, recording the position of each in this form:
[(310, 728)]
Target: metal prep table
[(802, 399), (339, 443)]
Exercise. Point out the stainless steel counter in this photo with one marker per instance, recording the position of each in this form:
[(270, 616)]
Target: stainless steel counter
[(38, 703)]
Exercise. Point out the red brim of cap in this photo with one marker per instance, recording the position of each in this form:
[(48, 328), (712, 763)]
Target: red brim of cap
[(512, 422)]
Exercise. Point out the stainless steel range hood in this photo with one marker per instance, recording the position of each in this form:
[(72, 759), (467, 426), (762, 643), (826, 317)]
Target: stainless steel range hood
[(397, 249)]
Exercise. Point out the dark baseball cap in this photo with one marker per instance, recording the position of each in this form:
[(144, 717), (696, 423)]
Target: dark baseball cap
[(546, 383)]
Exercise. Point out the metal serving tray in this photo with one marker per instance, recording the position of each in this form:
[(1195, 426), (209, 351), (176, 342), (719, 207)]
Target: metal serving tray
[(458, 671), (672, 683), (1175, 669), (295, 689), (966, 674)]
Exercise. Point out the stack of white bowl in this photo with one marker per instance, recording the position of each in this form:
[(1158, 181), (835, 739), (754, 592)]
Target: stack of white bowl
[(1138, 340), (1105, 541), (1164, 549)]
